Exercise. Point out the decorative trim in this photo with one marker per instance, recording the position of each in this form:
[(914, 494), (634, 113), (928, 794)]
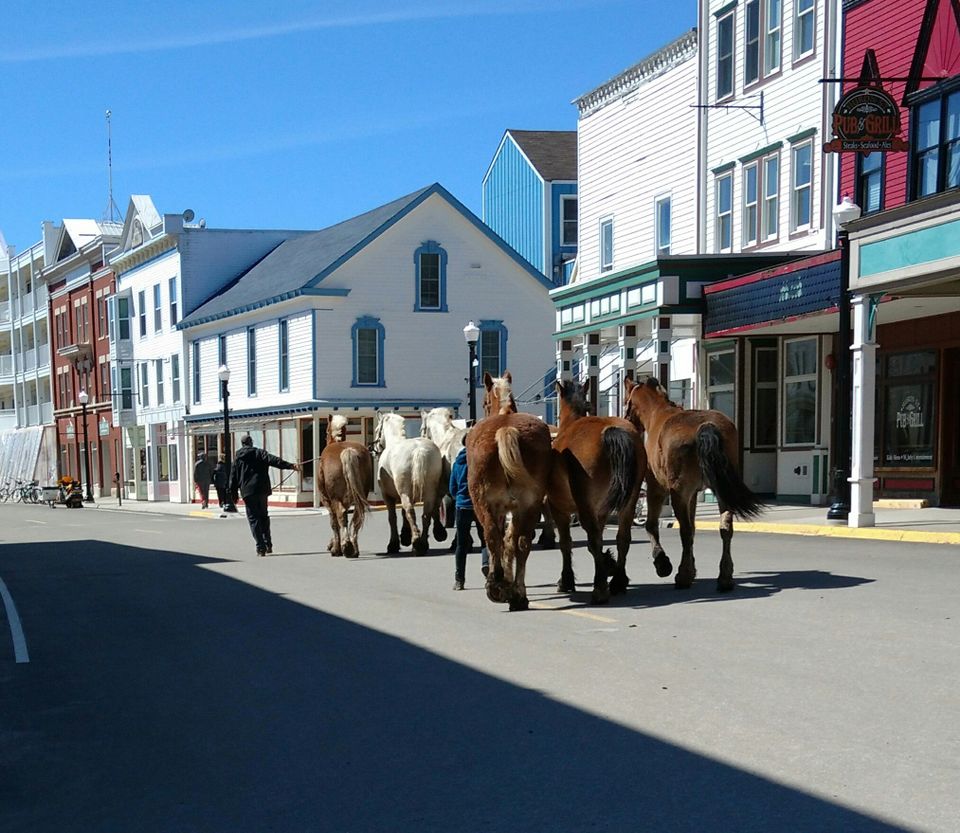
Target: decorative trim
[(308, 292), (724, 168), (430, 247), (723, 10), (368, 322), (802, 135), (761, 152)]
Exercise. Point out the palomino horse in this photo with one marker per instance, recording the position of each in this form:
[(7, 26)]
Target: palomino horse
[(600, 469), (345, 478), (688, 451), (509, 463), (437, 424), (409, 471)]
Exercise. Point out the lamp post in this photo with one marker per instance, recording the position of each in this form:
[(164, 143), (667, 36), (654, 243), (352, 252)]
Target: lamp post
[(846, 212), (471, 334), (224, 375), (82, 396)]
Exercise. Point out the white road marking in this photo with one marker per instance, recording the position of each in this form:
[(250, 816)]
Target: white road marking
[(581, 613), (16, 629), (150, 531), (32, 521)]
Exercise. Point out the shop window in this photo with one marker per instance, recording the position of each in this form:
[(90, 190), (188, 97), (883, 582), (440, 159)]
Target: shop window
[(870, 181), (936, 145), (162, 453), (907, 402), (800, 391), (724, 219), (764, 415), (725, 56), (721, 381)]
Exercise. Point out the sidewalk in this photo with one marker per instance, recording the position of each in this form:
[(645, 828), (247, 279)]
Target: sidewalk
[(923, 526)]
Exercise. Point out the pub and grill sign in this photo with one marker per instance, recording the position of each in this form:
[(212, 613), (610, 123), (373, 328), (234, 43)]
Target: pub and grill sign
[(866, 119)]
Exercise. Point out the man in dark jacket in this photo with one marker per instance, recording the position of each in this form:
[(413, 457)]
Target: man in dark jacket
[(461, 498), (220, 481), (250, 479), (202, 475)]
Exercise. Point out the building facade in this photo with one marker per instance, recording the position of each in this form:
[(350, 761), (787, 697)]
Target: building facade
[(364, 317), (530, 198)]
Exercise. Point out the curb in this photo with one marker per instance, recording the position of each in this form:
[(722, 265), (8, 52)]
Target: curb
[(864, 533)]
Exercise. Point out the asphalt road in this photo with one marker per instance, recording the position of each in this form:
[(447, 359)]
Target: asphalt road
[(175, 682)]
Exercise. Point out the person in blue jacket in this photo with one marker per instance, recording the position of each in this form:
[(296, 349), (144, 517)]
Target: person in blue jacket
[(465, 517)]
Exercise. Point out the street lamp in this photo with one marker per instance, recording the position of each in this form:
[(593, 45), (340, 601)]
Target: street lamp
[(82, 396), (471, 334), (846, 212), (224, 375)]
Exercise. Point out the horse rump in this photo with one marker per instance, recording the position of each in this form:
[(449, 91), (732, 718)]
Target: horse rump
[(722, 477), (620, 450)]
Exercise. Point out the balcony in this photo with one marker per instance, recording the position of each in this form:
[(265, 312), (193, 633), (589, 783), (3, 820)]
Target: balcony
[(6, 365), (46, 413), (8, 419), (28, 359), (4, 312)]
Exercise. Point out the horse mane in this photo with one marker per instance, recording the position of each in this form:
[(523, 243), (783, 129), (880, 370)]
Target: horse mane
[(575, 396), (337, 428)]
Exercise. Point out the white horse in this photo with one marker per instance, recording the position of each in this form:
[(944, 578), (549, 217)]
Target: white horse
[(408, 471), (437, 424)]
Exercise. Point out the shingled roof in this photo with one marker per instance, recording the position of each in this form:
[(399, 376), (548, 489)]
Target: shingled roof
[(552, 152)]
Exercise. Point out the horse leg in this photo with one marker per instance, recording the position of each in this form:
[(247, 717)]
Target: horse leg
[(655, 498), (393, 546), (523, 527), (725, 579), (620, 580), (493, 534), (410, 522), (334, 545), (568, 581), (687, 571), (593, 527), (350, 549), (548, 534), (406, 536), (439, 529)]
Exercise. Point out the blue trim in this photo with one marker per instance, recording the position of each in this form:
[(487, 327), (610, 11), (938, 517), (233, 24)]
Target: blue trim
[(491, 325), (430, 247), (216, 417), (329, 292), (368, 322)]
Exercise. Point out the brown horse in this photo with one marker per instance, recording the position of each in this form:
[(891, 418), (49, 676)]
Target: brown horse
[(600, 469), (688, 451), (509, 464), (345, 478)]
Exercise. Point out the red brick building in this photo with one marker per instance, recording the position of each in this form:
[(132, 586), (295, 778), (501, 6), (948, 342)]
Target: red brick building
[(79, 284)]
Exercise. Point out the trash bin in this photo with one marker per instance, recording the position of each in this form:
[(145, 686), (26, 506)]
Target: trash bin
[(51, 494)]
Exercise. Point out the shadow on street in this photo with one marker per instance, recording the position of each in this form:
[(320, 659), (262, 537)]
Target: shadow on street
[(161, 696)]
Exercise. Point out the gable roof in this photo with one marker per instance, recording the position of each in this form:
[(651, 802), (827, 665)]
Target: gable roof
[(296, 266), (552, 152)]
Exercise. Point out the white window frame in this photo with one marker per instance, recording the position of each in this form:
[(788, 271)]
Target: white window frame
[(796, 379), (750, 230), (661, 248), (770, 32), (766, 232), (565, 200), (606, 223), (800, 18), (731, 57), (758, 4), (718, 215), (797, 188)]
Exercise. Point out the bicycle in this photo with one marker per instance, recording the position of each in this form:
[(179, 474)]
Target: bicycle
[(6, 492), (28, 492)]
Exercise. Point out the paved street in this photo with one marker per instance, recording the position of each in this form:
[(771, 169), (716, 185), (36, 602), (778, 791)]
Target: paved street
[(175, 682)]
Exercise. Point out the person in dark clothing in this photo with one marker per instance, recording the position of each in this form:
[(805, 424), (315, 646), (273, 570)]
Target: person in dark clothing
[(220, 481), (202, 475), (250, 479), (465, 516)]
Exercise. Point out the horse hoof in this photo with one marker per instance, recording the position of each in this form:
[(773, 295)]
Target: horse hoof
[(439, 533), (724, 585), (349, 551), (663, 565), (495, 592), (567, 584), (393, 548), (599, 596), (335, 553), (619, 584), (420, 548), (684, 582), (405, 538), (519, 603)]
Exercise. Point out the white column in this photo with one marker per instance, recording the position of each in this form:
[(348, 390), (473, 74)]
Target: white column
[(864, 391), (627, 338), (591, 358), (565, 359), (316, 460), (663, 336)]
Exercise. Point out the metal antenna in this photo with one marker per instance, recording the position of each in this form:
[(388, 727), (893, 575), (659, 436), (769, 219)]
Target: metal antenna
[(112, 214)]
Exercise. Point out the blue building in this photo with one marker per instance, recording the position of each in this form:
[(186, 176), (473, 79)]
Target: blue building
[(530, 198)]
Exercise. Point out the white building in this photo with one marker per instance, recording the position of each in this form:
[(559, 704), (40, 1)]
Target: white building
[(165, 268), (362, 317)]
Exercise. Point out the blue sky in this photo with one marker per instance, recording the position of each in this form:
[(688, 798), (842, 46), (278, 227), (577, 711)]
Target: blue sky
[(290, 114)]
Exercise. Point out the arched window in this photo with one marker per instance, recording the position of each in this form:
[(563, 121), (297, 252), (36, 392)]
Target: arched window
[(430, 265), (368, 336)]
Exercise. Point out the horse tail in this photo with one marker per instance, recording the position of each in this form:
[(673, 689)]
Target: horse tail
[(352, 465), (732, 493), (419, 465), (620, 450), (511, 461)]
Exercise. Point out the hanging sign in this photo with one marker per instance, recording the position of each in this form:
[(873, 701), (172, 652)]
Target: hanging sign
[(866, 118), (104, 427)]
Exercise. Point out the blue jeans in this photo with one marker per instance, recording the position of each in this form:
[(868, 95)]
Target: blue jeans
[(465, 517)]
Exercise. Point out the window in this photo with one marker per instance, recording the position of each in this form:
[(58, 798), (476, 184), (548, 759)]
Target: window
[(105, 381), (771, 40), (101, 317), (724, 212), (907, 400), (663, 226), (284, 353), (606, 245), (870, 181), (158, 369), (431, 277), (126, 388), (800, 391), (804, 27), (721, 381), (491, 350), (681, 393), (802, 191), (175, 376), (157, 310), (751, 51), (368, 335), (765, 397), (195, 349), (770, 227), (172, 289), (251, 362), (725, 56), (936, 151), (123, 317), (221, 361), (568, 221), (142, 307), (145, 385), (751, 196)]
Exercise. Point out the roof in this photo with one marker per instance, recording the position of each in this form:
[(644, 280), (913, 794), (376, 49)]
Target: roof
[(296, 266), (552, 152)]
